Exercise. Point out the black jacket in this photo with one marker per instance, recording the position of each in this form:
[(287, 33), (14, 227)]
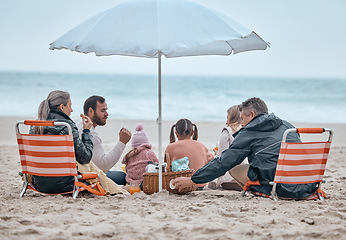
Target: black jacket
[(83, 147), (260, 142), (83, 151)]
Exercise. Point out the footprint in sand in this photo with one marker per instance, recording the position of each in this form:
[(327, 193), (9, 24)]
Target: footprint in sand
[(194, 209), (29, 231), (2, 227), (227, 214), (25, 222), (5, 218)]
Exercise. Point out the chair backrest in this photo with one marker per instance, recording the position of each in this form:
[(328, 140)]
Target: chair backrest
[(303, 162), (46, 155)]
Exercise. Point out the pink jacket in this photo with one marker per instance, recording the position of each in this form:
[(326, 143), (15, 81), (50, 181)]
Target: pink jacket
[(135, 166)]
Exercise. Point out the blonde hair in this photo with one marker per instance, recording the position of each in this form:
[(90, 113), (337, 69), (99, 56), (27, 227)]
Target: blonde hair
[(133, 152), (234, 117), (53, 101)]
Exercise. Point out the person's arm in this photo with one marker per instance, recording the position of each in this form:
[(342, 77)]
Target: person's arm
[(103, 160), (224, 142), (83, 147), (214, 169), (79, 124), (183, 182), (209, 156), (220, 165), (106, 161)]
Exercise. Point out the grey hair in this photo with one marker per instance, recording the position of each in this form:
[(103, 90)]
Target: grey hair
[(53, 101), (254, 104)]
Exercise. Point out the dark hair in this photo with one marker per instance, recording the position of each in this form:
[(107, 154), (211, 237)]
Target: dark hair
[(185, 128), (253, 104), (91, 103)]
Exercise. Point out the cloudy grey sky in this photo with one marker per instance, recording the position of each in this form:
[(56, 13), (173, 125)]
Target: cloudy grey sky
[(307, 37)]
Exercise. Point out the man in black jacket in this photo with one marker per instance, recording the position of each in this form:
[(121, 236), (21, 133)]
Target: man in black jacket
[(259, 140)]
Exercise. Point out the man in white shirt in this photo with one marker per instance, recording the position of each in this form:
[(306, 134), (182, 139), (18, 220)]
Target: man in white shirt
[(95, 107)]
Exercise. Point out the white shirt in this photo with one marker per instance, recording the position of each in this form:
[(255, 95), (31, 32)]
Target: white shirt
[(225, 141), (102, 160)]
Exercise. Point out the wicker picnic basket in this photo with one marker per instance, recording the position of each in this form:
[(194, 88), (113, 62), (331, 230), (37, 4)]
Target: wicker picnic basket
[(151, 180)]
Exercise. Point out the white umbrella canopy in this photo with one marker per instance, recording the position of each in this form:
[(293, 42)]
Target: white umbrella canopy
[(176, 28), (151, 28)]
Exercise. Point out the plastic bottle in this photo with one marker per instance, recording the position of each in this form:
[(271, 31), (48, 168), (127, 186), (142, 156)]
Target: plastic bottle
[(150, 168), (134, 188), (164, 166)]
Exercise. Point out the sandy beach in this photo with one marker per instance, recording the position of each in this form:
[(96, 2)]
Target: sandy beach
[(207, 214)]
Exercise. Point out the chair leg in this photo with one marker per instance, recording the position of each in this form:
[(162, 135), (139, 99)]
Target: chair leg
[(75, 188), (100, 180), (274, 195), (25, 186), (23, 191), (75, 192), (319, 194)]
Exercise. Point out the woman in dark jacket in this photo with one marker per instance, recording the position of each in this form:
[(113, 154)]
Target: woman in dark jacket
[(57, 107)]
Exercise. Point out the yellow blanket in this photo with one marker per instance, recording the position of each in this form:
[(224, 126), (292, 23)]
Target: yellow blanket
[(109, 186)]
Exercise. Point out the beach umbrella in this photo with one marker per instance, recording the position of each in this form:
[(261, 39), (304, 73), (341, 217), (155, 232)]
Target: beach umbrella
[(156, 28)]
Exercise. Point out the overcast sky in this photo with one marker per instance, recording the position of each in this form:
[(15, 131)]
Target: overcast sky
[(307, 37)]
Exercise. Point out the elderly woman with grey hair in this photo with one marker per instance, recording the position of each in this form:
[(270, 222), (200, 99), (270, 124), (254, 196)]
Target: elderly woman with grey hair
[(58, 107)]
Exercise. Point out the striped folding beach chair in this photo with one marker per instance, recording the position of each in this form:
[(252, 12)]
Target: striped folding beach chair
[(300, 163), (51, 156)]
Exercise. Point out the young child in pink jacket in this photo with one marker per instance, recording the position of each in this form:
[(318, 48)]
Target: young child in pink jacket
[(138, 157), (196, 152)]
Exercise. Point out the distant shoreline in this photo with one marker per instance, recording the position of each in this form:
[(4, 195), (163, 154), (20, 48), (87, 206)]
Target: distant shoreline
[(285, 77), (209, 131), (204, 98)]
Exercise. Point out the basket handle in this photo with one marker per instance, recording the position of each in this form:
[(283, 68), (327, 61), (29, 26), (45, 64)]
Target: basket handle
[(168, 161)]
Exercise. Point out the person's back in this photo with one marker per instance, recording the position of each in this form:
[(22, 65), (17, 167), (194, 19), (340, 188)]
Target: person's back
[(232, 126), (57, 107), (138, 157), (259, 139), (96, 108), (196, 152), (136, 161), (226, 138)]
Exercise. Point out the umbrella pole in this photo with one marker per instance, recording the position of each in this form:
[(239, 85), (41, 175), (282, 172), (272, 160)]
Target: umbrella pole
[(159, 122)]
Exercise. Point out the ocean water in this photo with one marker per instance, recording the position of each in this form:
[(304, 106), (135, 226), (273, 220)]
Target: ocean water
[(199, 98)]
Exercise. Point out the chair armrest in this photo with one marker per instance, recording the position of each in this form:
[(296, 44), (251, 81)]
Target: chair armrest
[(87, 176)]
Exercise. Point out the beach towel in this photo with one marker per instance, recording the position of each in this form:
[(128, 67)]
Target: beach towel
[(181, 164), (109, 186)]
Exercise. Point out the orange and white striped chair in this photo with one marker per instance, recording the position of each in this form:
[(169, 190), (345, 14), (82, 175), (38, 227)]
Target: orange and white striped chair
[(51, 156), (300, 163)]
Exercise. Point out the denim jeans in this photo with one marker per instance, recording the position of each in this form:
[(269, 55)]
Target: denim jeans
[(117, 176)]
